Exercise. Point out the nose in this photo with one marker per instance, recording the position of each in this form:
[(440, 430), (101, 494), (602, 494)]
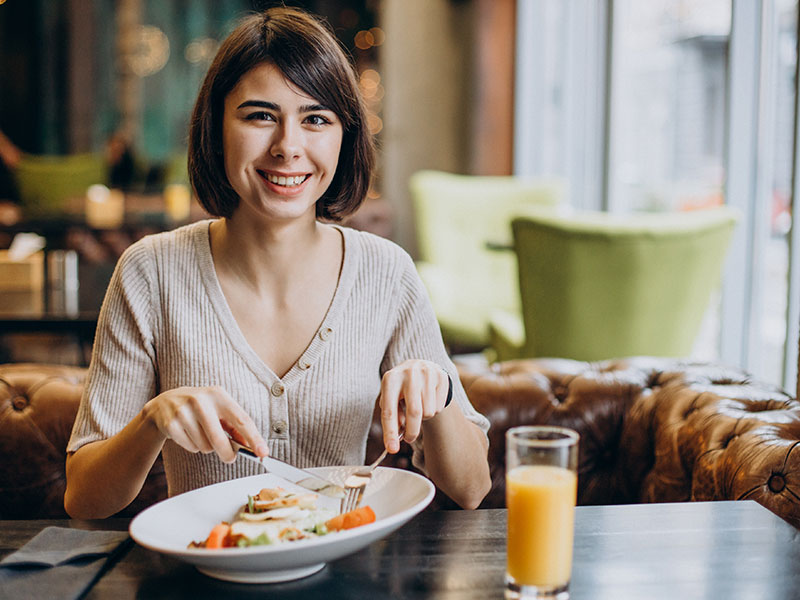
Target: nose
[(287, 141)]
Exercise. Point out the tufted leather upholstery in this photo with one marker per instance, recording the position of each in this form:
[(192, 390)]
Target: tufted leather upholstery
[(652, 430), (38, 404)]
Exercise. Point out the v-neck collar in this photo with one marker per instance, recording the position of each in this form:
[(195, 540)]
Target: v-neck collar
[(328, 327)]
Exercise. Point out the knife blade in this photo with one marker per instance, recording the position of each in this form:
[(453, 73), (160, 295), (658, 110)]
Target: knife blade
[(291, 473)]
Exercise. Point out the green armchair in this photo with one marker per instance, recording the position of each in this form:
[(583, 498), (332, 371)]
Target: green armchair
[(457, 217), (596, 285), (45, 182)]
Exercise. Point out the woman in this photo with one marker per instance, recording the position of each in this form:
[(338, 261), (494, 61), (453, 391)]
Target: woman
[(265, 321)]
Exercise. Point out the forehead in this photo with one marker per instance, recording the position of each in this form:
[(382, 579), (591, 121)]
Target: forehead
[(265, 81)]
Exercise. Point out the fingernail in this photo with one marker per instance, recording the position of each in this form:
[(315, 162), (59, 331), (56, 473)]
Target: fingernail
[(262, 450)]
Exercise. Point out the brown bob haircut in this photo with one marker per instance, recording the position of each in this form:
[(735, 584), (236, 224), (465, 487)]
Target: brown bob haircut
[(308, 54)]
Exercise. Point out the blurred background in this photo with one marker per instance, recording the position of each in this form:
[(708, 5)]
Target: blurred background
[(664, 105)]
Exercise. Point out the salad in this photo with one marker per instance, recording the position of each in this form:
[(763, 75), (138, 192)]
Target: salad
[(275, 515)]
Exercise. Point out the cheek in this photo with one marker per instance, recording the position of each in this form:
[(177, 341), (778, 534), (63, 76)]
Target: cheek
[(236, 149), (333, 150)]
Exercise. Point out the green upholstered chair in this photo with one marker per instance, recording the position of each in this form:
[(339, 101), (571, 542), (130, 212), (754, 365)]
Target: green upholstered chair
[(176, 169), (456, 216), (46, 181), (597, 285)]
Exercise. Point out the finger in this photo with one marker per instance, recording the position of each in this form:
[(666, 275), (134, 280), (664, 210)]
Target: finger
[(207, 414), (412, 394), (177, 434), (205, 446), (391, 386), (190, 445), (401, 420), (232, 431), (187, 419), (244, 429), (430, 399)]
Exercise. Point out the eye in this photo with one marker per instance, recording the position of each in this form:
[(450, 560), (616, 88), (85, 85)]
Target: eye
[(318, 120), (260, 116)]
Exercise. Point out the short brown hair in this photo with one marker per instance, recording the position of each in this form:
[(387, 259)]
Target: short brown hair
[(308, 54)]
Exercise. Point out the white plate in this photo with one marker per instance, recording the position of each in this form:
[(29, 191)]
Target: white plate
[(168, 527)]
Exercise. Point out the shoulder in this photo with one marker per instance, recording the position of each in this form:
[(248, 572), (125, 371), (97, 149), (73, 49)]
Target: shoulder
[(151, 248), (384, 268), (376, 251)]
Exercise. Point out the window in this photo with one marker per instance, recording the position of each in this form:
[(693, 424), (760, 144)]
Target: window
[(678, 105), (667, 102)]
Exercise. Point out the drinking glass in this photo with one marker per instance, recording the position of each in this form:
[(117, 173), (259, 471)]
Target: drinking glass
[(541, 491)]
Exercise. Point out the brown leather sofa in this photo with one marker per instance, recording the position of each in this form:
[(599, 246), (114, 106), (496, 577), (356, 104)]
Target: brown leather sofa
[(652, 430)]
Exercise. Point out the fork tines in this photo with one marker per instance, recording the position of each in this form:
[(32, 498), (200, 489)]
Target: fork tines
[(353, 491)]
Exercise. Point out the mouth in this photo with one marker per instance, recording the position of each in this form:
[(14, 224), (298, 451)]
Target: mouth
[(285, 181)]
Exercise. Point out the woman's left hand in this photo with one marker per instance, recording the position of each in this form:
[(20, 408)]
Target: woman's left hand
[(412, 392)]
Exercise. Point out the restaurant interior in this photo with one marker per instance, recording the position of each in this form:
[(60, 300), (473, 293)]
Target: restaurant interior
[(598, 198)]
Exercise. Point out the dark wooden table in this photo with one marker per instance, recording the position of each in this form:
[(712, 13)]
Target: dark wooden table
[(708, 550)]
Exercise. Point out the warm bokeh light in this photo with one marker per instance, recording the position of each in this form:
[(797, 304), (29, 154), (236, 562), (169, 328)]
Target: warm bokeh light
[(378, 36), (151, 51), (369, 81), (201, 50), (375, 123), (371, 89), (370, 75), (364, 40)]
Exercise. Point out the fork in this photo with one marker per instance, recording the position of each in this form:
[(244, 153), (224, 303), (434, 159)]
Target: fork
[(357, 481)]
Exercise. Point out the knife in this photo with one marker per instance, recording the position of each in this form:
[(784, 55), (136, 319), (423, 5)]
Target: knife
[(291, 473)]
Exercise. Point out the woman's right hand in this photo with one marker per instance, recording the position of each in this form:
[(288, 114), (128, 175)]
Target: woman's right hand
[(197, 419)]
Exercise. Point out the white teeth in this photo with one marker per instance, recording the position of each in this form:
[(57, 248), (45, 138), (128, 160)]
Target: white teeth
[(286, 181)]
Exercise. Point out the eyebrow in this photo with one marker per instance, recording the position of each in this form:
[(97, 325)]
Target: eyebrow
[(272, 106)]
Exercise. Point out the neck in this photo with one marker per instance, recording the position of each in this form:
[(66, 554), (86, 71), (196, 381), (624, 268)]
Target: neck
[(265, 255)]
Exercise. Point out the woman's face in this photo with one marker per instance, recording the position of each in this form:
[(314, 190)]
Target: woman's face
[(280, 146)]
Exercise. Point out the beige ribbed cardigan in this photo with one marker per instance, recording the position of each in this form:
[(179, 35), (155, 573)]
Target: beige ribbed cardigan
[(165, 323)]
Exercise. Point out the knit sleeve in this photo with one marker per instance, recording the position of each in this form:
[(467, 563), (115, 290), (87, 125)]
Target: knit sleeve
[(122, 376), (416, 335)]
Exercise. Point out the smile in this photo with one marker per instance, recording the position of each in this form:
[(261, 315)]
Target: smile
[(292, 181)]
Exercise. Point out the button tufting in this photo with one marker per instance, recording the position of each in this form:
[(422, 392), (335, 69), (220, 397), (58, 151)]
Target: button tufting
[(652, 381), (279, 427), (560, 393), (20, 403), (277, 389), (776, 483), (729, 439)]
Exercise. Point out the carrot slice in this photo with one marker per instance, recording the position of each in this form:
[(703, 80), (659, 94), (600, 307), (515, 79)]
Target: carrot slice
[(216, 539), (349, 520)]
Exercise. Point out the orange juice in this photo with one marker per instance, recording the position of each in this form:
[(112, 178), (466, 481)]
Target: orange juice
[(541, 501)]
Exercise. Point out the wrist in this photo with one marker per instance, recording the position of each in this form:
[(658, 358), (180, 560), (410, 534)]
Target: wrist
[(148, 422)]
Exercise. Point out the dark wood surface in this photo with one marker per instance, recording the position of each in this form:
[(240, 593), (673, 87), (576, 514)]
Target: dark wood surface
[(708, 550)]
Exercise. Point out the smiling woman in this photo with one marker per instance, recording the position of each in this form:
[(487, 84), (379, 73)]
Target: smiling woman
[(313, 66), (281, 147), (265, 322)]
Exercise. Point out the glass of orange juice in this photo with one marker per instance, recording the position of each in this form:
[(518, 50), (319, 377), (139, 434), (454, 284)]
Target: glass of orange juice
[(541, 491)]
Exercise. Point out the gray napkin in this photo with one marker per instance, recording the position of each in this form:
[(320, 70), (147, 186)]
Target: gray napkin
[(59, 563)]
